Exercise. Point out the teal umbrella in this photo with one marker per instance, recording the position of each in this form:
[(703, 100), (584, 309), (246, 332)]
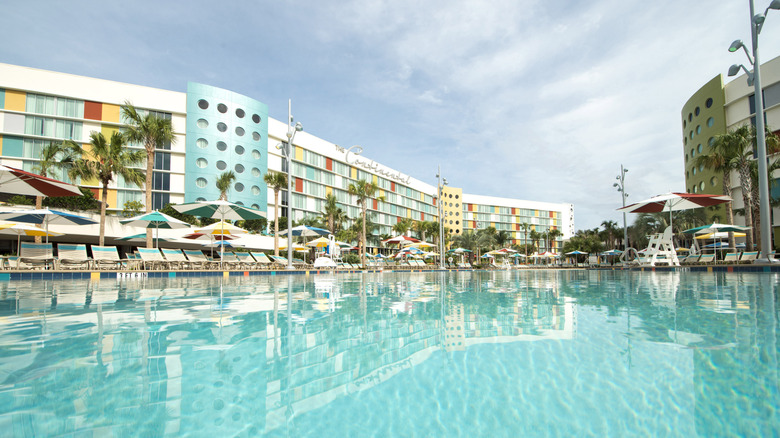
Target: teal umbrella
[(219, 209), (155, 220)]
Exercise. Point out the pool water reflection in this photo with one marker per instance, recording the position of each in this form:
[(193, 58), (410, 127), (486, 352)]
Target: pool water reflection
[(539, 353)]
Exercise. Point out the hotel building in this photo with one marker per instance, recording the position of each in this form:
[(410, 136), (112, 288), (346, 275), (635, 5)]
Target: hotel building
[(717, 108), (218, 130)]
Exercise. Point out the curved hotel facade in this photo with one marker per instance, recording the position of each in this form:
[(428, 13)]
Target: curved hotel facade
[(218, 130), (715, 109)]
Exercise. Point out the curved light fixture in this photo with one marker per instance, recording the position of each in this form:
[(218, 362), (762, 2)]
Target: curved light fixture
[(736, 45)]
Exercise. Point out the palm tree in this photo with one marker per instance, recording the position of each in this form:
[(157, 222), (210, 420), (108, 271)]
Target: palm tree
[(554, 234), (525, 226), (152, 132), (364, 191), (502, 237), (610, 231), (104, 159), (276, 181), (224, 181), (55, 156), (333, 215), (535, 237), (403, 226)]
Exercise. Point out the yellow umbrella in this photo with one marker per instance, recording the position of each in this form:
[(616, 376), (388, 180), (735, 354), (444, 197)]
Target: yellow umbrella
[(421, 245), (320, 242), (20, 230), (220, 228), (722, 235), (296, 247)]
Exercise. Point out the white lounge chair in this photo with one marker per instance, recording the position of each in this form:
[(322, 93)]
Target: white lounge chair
[(73, 255), (35, 255), (106, 257)]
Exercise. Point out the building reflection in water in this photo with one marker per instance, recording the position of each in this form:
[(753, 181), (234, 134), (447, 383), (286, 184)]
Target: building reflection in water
[(247, 355)]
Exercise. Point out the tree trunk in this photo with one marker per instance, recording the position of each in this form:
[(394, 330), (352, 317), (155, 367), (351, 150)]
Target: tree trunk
[(149, 171), (729, 211), (363, 239), (276, 222), (747, 195), (38, 206), (103, 203)]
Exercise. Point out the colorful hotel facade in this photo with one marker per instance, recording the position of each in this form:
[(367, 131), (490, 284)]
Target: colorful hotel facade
[(717, 108), (218, 130)]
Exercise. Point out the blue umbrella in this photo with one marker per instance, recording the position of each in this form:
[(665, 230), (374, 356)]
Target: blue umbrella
[(45, 217)]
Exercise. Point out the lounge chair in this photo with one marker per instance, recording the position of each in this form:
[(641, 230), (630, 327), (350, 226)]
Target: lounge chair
[(732, 257), (230, 261), (36, 255), (246, 260), (705, 259), (106, 256), (175, 258), (690, 259), (748, 256), (261, 260), (152, 258), (73, 255), (196, 258)]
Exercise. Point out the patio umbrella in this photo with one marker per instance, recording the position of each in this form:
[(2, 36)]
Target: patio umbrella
[(460, 250), (221, 228), (45, 217), (155, 220), (320, 242), (19, 182), (575, 252), (400, 239), (422, 245), (674, 202), (20, 230), (305, 231), (142, 236), (714, 228), (219, 209)]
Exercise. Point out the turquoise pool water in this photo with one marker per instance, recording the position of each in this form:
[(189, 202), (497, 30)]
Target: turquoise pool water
[(530, 353)]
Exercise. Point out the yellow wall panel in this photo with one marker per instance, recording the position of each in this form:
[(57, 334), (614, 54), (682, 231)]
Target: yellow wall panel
[(375, 180), (536, 213), (409, 213), (111, 113), (107, 131), (328, 190), (353, 173), (298, 153), (112, 199), (15, 100)]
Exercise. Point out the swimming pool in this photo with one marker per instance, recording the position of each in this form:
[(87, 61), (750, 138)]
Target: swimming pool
[(501, 353)]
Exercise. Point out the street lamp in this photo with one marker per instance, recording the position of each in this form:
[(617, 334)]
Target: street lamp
[(754, 78), (621, 187), (442, 183), (287, 152)]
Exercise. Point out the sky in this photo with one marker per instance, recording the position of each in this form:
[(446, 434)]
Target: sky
[(536, 100)]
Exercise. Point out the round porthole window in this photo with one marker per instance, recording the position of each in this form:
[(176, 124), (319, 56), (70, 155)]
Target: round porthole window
[(255, 154), (203, 104), (255, 190), (222, 108), (239, 150), (710, 122), (221, 165), (256, 172), (239, 187), (708, 103), (239, 168), (202, 143), (696, 111), (221, 127), (202, 163), (256, 136), (255, 118), (239, 131), (201, 182), (256, 207), (203, 123), (221, 146), (240, 113)]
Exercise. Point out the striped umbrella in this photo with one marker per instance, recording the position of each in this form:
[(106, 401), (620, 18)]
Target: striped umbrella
[(20, 230), (155, 220)]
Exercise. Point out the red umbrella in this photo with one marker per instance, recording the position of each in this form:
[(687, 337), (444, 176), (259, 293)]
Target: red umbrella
[(13, 180), (400, 239), (674, 202)]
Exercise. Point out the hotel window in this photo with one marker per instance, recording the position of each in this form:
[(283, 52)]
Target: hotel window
[(161, 181), (39, 126), (160, 200), (162, 161), (125, 196)]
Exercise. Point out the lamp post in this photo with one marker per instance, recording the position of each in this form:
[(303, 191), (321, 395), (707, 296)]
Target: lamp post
[(287, 152), (754, 77), (442, 183), (621, 187)]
